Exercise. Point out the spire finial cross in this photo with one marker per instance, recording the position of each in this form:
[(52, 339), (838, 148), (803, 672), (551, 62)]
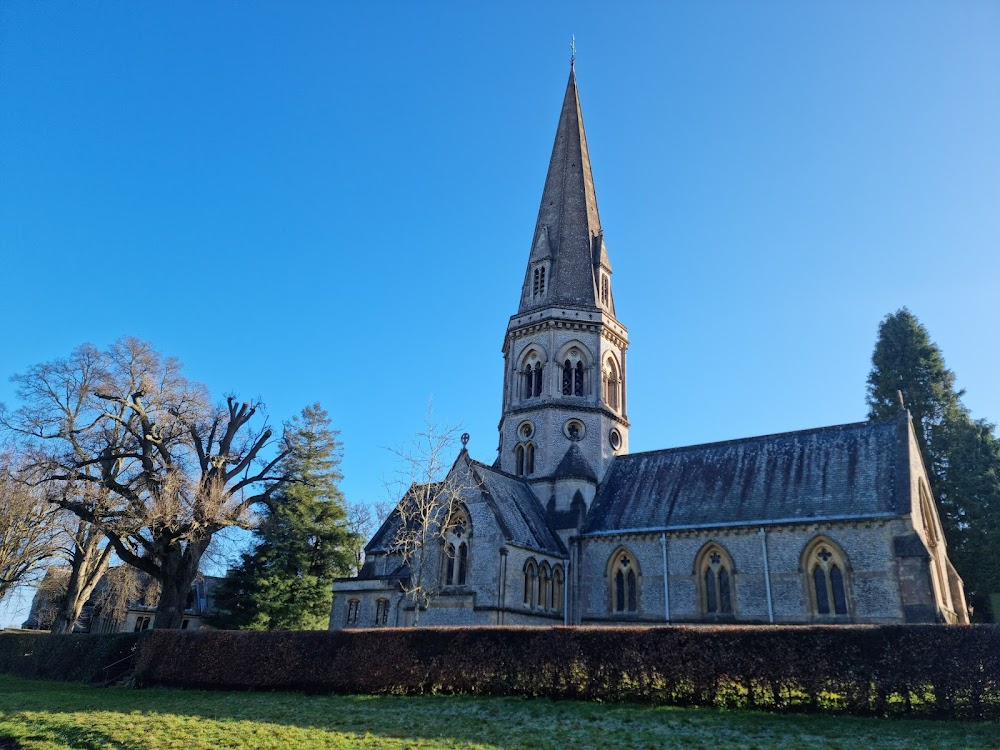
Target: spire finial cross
[(572, 50)]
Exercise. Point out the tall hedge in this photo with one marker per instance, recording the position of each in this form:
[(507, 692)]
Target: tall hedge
[(929, 670), (78, 658)]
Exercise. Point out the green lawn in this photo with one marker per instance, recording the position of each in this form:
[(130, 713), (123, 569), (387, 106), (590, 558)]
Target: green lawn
[(49, 715)]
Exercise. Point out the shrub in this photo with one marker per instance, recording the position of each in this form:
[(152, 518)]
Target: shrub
[(915, 669), (77, 658)]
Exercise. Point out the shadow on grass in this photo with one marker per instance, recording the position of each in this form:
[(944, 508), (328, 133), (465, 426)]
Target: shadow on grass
[(452, 721)]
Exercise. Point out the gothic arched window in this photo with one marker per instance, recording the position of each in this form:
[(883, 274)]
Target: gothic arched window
[(612, 383), (826, 573), (519, 460), (530, 579), (456, 551), (715, 580), (529, 459), (544, 592), (605, 289), (531, 372), (463, 564), (381, 611), (557, 588), (572, 373), (624, 578)]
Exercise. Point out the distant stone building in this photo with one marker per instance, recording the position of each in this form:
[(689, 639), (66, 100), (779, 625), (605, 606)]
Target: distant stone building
[(105, 613), (835, 524)]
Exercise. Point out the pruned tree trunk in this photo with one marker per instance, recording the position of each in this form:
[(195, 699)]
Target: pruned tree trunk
[(179, 575)]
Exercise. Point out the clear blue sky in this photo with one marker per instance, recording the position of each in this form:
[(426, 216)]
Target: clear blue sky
[(331, 201)]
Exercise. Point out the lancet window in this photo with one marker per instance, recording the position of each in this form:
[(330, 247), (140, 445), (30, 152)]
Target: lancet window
[(612, 385), (456, 549), (557, 588), (532, 370), (381, 611), (538, 282), (530, 582), (544, 600), (572, 378), (524, 459)]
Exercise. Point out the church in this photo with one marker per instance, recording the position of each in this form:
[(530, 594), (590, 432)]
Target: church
[(829, 525)]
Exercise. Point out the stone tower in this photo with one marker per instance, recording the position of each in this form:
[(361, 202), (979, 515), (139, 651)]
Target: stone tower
[(564, 404)]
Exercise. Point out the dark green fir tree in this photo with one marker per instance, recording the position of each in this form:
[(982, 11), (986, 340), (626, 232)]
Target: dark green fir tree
[(285, 583), (961, 454)]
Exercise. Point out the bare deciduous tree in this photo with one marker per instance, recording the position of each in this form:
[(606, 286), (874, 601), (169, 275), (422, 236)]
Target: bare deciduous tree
[(175, 469), (29, 533), (88, 553), (431, 495), (363, 519)]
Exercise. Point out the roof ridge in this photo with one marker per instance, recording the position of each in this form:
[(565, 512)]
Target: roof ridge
[(754, 438)]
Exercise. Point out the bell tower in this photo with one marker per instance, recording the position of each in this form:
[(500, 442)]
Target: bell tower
[(564, 397)]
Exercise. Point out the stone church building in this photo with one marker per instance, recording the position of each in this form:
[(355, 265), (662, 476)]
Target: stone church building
[(834, 524)]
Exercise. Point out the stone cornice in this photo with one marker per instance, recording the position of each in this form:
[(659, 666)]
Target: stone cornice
[(562, 404), (567, 318)]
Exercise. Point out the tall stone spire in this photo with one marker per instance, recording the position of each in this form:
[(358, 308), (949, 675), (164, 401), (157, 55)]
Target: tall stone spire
[(568, 244), (564, 400)]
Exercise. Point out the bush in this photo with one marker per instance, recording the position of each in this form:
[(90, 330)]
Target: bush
[(76, 658), (915, 669)]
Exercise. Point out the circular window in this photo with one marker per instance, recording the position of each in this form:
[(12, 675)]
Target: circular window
[(574, 429), (526, 430), (616, 438)]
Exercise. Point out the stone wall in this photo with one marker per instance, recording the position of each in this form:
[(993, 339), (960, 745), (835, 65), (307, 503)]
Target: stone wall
[(872, 588)]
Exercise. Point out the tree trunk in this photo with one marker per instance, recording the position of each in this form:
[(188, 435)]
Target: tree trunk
[(180, 569), (87, 568)]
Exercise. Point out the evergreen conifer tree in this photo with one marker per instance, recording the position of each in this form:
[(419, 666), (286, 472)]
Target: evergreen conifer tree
[(285, 583), (961, 454)]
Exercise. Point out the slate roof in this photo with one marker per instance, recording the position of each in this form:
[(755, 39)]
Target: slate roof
[(381, 541), (831, 472), (517, 510), (574, 466), (568, 228)]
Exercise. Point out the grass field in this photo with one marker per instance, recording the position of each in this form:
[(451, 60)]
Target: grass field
[(49, 715)]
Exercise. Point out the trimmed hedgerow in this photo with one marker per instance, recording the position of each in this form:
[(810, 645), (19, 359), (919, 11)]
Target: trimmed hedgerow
[(76, 658), (928, 670)]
